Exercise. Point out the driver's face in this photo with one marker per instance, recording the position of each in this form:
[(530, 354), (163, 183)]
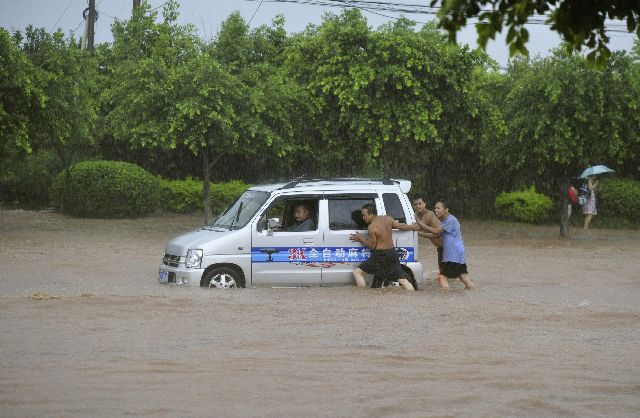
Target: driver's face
[(300, 213)]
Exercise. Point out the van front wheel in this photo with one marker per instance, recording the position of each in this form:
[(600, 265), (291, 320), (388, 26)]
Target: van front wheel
[(222, 278)]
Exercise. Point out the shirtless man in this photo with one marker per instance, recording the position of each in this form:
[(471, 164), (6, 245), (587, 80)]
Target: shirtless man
[(429, 218), (384, 259)]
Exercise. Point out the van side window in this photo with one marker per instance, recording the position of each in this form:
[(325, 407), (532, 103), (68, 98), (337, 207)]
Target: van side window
[(345, 213), (295, 215), (393, 207)]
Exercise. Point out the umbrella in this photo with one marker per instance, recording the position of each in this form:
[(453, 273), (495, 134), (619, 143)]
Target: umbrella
[(596, 169)]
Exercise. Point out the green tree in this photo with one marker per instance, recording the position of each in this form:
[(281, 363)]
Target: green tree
[(394, 101), (170, 90), (245, 106), (63, 119), (331, 61), (19, 93), (450, 83), (144, 53), (563, 116), (579, 23)]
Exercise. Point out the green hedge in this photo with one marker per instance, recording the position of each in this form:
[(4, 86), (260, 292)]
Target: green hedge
[(106, 189), (524, 206), (619, 199), (29, 180), (185, 196), (181, 196)]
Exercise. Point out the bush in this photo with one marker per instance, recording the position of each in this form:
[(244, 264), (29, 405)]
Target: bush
[(524, 206), (185, 196), (107, 189), (31, 180), (619, 198), (181, 196)]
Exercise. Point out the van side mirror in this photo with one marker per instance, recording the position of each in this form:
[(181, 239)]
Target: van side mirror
[(271, 224)]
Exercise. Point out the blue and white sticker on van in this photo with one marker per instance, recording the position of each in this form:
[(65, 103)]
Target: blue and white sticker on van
[(320, 254)]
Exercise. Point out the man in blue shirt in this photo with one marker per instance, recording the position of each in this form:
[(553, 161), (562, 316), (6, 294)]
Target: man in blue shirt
[(453, 256)]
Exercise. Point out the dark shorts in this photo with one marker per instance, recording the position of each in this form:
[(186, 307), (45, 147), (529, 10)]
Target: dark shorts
[(452, 269), (384, 265)]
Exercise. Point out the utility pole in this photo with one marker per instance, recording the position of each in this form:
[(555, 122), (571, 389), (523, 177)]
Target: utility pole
[(92, 21), (90, 15), (136, 3)]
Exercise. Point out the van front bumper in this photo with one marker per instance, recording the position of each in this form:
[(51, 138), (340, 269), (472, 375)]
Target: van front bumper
[(178, 276)]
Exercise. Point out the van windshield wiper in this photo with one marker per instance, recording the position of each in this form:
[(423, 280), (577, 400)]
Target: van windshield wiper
[(236, 217)]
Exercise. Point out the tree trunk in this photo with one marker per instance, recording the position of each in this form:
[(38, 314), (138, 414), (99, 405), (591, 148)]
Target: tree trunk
[(564, 204), (206, 187)]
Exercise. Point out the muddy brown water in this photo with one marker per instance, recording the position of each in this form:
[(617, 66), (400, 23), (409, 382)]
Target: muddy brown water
[(552, 330)]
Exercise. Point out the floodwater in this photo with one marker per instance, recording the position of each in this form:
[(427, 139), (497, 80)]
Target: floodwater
[(85, 330)]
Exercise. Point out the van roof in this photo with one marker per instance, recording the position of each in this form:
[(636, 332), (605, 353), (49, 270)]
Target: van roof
[(336, 184)]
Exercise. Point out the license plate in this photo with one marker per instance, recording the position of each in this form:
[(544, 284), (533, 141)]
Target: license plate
[(164, 276)]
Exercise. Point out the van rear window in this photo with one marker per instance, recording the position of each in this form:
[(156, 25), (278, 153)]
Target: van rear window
[(393, 207), (345, 213)]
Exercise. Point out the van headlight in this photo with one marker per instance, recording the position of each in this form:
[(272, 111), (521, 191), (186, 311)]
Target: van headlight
[(193, 259)]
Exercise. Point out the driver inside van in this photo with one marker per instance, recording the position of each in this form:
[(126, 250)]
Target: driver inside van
[(303, 221)]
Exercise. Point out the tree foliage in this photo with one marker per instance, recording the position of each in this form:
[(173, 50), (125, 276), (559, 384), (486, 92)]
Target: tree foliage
[(562, 116), (65, 74), (47, 101), (579, 23), (18, 93), (385, 100)]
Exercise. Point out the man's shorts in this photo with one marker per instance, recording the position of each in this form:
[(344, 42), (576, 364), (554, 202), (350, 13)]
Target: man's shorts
[(384, 265), (452, 269)]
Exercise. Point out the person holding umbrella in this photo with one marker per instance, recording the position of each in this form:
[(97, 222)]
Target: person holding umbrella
[(589, 209)]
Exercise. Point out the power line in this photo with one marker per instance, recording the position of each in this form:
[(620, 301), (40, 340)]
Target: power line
[(156, 8), (63, 12), (256, 11), (77, 27), (375, 7)]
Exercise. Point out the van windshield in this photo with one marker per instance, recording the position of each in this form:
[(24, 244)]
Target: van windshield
[(241, 211)]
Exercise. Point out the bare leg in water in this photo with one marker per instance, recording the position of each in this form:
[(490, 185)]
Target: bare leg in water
[(442, 281), (468, 284), (587, 220)]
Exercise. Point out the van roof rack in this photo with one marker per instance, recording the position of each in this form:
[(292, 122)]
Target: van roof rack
[(299, 180)]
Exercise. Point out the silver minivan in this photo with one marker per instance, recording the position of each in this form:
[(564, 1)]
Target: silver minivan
[(249, 245)]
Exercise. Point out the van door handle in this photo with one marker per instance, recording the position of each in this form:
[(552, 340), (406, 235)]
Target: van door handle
[(308, 241)]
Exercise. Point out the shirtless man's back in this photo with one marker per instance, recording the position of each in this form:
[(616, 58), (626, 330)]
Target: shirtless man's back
[(380, 232), (384, 259)]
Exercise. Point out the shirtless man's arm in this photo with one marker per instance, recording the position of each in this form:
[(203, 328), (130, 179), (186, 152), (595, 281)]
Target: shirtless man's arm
[(433, 230), (431, 220), (405, 227), (370, 242)]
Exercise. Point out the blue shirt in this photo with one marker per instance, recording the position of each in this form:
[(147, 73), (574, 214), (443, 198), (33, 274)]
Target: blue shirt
[(452, 244)]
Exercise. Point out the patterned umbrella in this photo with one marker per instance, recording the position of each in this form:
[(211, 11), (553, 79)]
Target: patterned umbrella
[(595, 170)]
